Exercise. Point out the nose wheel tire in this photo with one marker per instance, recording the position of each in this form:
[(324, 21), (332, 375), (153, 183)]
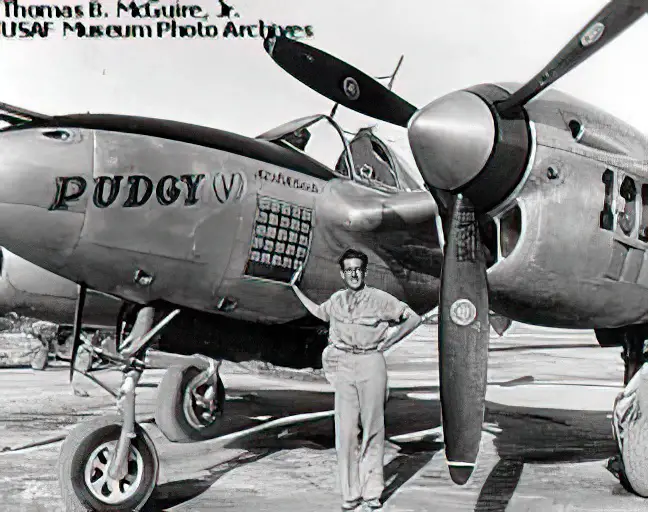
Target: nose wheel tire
[(187, 409), (83, 468)]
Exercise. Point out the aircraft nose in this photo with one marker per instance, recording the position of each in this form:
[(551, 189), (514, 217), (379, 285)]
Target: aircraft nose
[(452, 139), (38, 167)]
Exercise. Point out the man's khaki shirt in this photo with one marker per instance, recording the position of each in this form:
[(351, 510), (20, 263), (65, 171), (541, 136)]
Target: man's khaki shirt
[(360, 319)]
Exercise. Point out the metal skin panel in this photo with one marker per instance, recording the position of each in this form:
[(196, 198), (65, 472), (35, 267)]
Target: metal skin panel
[(32, 291), (182, 234), (30, 161), (556, 276), (41, 154), (169, 227), (28, 278), (555, 109), (261, 299), (633, 264)]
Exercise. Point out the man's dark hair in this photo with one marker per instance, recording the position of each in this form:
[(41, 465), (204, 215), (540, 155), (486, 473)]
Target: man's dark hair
[(353, 253)]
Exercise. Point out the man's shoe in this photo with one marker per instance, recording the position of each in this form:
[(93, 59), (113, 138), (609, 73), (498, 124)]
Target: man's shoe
[(373, 504), (351, 505)]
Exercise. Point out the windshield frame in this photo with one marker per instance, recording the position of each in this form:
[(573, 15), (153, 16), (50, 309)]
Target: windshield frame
[(276, 135), (391, 166)]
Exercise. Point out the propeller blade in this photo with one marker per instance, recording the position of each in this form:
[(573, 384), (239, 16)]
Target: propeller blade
[(613, 19), (78, 322), (463, 341), (339, 81)]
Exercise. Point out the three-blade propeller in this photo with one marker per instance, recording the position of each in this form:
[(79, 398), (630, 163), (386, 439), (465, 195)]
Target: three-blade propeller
[(464, 308)]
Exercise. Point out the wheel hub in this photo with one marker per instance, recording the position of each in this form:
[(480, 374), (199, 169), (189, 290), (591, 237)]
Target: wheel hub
[(108, 490), (200, 403)]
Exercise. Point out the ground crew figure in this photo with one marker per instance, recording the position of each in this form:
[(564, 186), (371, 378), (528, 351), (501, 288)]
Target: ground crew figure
[(359, 319), (45, 332), (83, 363)]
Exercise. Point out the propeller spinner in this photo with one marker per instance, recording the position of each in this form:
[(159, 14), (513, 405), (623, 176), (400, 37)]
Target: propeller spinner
[(474, 144)]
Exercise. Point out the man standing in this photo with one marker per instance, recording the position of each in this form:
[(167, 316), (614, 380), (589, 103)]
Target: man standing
[(360, 318)]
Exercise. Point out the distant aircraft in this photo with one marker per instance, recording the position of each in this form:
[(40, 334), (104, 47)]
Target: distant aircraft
[(31, 291), (544, 197)]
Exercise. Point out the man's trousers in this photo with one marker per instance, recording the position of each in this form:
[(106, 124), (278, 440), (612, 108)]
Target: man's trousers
[(360, 394)]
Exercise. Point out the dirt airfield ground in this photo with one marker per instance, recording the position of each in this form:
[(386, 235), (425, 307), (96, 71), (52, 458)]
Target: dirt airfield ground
[(546, 437)]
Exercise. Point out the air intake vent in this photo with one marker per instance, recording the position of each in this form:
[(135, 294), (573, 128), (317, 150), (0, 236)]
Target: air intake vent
[(510, 230), (490, 241), (595, 139)]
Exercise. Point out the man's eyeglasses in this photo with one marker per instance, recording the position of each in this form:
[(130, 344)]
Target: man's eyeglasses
[(350, 271)]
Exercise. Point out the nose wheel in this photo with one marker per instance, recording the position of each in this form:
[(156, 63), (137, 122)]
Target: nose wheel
[(84, 468), (110, 463), (99, 482)]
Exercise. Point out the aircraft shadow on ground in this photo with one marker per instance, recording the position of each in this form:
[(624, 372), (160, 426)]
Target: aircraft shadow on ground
[(529, 435), (553, 346), (403, 415), (176, 493), (499, 487), (543, 436)]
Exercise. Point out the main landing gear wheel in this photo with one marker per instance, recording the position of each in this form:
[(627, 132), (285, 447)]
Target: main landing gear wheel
[(188, 408), (83, 468), (635, 463)]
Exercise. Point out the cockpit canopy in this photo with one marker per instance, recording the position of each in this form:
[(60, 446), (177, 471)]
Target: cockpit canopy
[(377, 163), (373, 163)]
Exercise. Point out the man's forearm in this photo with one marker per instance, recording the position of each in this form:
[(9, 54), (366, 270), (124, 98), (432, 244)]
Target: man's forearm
[(313, 308), (403, 330)]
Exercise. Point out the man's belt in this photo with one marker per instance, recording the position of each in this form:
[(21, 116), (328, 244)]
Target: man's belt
[(354, 350)]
